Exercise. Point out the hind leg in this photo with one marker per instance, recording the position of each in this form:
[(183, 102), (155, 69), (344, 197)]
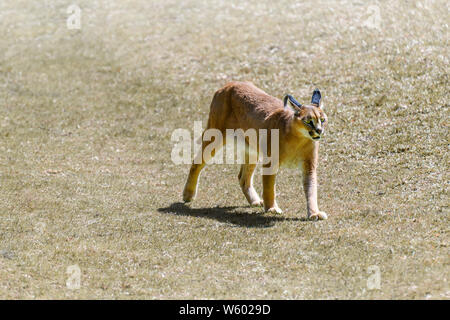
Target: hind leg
[(190, 188), (246, 181)]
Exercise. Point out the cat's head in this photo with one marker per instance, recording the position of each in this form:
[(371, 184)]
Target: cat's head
[(309, 120)]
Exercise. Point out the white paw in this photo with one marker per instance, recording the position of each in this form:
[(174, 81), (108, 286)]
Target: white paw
[(318, 216), (257, 203), (275, 210)]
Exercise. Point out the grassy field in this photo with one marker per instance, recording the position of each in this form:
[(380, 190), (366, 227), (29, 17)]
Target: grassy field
[(86, 179)]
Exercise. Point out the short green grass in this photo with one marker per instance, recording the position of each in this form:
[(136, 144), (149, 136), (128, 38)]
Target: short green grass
[(86, 178)]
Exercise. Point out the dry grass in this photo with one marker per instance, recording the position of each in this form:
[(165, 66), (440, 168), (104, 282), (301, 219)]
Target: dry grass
[(86, 177)]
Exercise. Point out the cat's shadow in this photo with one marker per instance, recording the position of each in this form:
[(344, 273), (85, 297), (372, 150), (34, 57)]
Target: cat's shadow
[(233, 215)]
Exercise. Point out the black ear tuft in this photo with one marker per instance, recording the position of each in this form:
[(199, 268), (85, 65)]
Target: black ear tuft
[(316, 97), (292, 101)]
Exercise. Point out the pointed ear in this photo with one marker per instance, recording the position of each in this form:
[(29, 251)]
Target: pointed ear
[(316, 97), (294, 103)]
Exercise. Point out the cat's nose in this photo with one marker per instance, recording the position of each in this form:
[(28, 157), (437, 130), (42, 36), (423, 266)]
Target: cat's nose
[(319, 131)]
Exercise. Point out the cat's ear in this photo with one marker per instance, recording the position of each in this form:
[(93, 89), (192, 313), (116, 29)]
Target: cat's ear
[(316, 98), (294, 103)]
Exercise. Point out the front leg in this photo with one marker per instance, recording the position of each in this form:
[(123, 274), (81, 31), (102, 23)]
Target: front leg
[(270, 204), (310, 188)]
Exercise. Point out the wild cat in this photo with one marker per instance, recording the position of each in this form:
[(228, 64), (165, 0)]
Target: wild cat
[(241, 105)]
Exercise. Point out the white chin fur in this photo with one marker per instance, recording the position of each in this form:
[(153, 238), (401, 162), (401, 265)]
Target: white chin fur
[(304, 132)]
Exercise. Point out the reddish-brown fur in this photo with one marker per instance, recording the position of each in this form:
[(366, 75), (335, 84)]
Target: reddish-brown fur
[(241, 105)]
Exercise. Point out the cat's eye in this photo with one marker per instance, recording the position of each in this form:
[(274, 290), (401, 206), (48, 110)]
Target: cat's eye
[(322, 120)]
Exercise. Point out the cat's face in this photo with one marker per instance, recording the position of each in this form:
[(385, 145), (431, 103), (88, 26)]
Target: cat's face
[(310, 120)]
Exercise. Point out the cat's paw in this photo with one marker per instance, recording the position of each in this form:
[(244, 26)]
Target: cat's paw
[(257, 203), (275, 210), (320, 215), (188, 195)]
